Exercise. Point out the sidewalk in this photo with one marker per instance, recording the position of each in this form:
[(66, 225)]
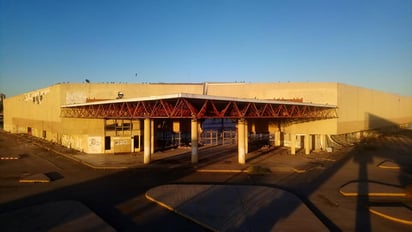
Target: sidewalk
[(213, 158), (221, 158)]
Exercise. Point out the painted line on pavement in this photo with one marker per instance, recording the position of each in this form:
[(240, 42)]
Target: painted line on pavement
[(328, 159), (10, 158), (221, 170), (241, 171)]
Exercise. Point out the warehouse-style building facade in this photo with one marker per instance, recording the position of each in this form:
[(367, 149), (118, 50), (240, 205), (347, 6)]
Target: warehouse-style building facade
[(122, 117)]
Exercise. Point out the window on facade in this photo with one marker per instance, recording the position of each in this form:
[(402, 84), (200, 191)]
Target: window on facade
[(119, 127)]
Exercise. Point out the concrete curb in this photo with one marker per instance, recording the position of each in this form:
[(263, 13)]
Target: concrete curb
[(35, 178), (237, 207), (34, 181), (300, 170), (351, 189), (383, 166), (391, 218), (159, 202), (178, 213), (388, 167), (383, 194)]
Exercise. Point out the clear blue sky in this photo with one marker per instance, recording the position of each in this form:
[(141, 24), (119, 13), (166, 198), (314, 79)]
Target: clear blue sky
[(363, 43)]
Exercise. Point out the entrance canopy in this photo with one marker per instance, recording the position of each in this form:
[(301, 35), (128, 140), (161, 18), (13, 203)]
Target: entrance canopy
[(183, 105)]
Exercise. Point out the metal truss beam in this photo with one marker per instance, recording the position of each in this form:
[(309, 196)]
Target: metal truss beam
[(198, 108)]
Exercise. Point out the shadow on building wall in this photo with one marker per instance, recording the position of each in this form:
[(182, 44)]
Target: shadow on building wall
[(373, 121)]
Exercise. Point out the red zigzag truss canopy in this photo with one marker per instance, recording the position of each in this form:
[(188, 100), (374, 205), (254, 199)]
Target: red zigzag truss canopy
[(197, 106)]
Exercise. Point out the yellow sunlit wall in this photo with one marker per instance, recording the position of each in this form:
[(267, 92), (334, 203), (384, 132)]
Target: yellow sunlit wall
[(38, 112)]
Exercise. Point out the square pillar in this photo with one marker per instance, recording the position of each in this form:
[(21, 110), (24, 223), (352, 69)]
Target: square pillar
[(323, 142), (316, 143), (147, 140), (307, 144), (132, 144), (277, 139), (246, 137), (152, 143), (292, 144), (195, 141), (241, 141)]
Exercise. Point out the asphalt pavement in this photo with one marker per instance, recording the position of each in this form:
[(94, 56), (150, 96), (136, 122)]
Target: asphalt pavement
[(363, 188)]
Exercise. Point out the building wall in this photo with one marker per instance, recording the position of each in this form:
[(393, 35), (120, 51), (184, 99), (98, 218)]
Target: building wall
[(38, 111), (321, 93), (83, 134), (364, 109)]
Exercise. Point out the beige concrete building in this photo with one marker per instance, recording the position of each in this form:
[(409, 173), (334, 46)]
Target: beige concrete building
[(39, 113)]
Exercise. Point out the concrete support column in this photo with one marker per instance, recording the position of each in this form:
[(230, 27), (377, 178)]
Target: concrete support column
[(323, 142), (292, 144), (307, 144), (361, 135), (241, 141), (316, 142), (195, 141), (132, 144), (152, 142), (146, 142), (246, 137), (277, 139)]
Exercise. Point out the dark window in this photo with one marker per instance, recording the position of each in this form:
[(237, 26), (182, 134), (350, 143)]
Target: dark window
[(107, 143), (29, 130), (44, 134)]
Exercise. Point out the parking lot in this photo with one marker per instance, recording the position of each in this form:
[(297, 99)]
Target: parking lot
[(339, 188)]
